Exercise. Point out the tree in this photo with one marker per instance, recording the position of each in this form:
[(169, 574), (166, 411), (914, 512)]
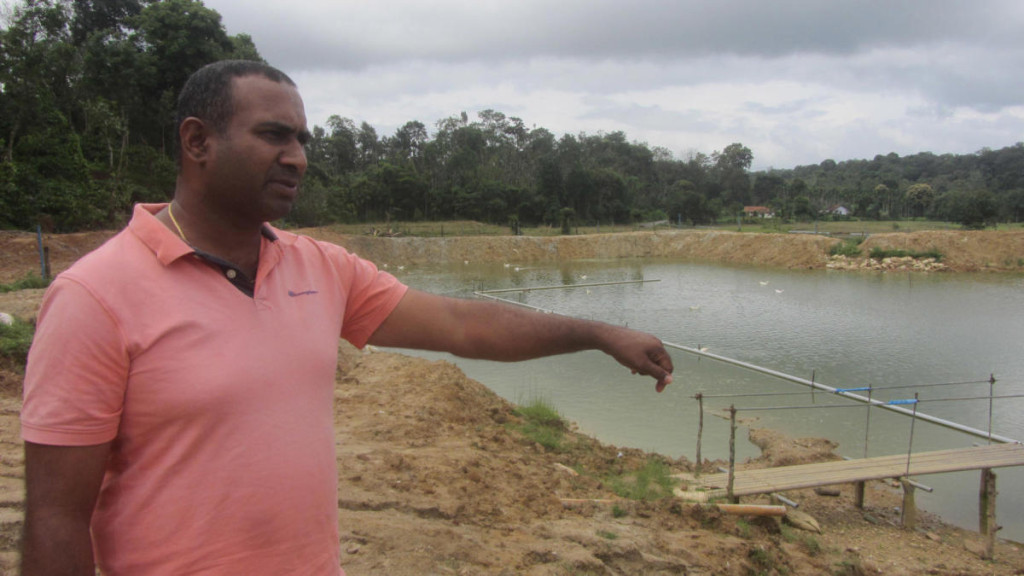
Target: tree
[(767, 187), (686, 204), (1011, 205), (970, 208), (37, 70), (102, 16), (175, 38), (920, 197), (731, 166)]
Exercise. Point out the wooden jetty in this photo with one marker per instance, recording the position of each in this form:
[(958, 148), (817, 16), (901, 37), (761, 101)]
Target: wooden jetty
[(857, 471)]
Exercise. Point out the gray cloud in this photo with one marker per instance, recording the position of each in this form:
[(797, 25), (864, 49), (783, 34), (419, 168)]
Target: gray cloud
[(797, 80)]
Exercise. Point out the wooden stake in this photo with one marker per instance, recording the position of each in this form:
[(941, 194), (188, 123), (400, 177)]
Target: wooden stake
[(987, 511), (858, 494), (909, 512)]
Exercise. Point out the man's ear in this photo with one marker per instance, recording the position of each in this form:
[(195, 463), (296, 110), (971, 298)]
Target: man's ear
[(194, 135)]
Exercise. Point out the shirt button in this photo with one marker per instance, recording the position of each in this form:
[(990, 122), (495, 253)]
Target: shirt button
[(231, 273)]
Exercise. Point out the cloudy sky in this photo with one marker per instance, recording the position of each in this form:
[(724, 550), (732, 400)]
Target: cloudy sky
[(797, 81)]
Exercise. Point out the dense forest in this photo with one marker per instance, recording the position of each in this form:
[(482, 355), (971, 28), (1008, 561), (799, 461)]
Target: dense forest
[(87, 96)]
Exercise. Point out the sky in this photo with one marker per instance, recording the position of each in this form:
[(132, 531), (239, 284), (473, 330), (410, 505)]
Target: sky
[(796, 81)]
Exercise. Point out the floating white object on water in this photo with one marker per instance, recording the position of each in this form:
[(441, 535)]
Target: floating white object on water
[(6, 319)]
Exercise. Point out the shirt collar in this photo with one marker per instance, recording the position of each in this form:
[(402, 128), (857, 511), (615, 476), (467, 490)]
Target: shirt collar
[(165, 244)]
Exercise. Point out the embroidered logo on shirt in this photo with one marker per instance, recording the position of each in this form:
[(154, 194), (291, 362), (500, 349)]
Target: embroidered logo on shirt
[(306, 293)]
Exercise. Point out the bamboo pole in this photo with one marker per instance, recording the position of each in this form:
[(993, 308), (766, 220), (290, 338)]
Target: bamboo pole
[(700, 433), (887, 406), (732, 454)]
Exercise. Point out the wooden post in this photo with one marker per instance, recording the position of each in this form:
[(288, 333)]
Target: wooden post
[(987, 511), (700, 432), (732, 454), (858, 494), (909, 512)]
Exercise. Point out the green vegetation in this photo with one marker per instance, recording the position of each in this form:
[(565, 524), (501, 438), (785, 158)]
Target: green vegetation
[(810, 544), (89, 90), (607, 535), (15, 341), (880, 253), (849, 248), (744, 529), (652, 482), (542, 424), (29, 281)]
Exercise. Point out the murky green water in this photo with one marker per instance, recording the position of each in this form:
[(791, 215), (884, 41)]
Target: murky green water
[(843, 329)]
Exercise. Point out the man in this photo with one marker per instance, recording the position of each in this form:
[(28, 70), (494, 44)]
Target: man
[(178, 398)]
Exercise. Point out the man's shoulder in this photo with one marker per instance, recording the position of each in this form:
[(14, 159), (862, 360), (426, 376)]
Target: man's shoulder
[(109, 254)]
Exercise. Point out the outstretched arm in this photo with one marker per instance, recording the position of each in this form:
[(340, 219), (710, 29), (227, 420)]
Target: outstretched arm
[(493, 331)]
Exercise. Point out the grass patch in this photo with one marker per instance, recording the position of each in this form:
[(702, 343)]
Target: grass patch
[(28, 282), (881, 253), (542, 424), (809, 543), (607, 535), (15, 341), (848, 248), (743, 529), (652, 482)]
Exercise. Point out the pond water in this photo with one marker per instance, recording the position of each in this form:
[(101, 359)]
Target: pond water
[(910, 333)]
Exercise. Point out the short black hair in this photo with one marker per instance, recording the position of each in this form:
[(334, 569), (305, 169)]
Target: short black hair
[(207, 93)]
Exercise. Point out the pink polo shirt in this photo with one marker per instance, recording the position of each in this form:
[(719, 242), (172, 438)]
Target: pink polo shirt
[(220, 406)]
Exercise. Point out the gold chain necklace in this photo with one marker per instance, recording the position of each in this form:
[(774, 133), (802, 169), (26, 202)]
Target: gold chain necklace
[(170, 212)]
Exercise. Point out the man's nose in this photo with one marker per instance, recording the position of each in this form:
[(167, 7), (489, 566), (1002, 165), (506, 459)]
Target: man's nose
[(295, 156)]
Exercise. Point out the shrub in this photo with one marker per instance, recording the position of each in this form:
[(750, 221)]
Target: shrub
[(850, 248), (880, 253), (27, 282), (542, 424), (652, 482), (15, 341)]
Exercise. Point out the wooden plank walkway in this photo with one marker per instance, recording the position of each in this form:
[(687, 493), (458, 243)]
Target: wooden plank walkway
[(783, 478)]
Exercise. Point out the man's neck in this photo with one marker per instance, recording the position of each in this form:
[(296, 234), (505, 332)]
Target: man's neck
[(204, 231)]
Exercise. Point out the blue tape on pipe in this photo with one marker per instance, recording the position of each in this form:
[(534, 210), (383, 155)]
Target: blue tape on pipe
[(906, 401), (845, 390)]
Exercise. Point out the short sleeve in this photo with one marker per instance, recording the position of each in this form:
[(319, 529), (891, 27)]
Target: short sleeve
[(77, 370), (371, 296)]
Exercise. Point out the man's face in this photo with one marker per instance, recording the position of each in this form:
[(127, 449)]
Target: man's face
[(254, 168)]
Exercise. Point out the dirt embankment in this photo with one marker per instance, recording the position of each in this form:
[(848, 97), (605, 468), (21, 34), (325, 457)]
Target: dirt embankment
[(435, 478), (962, 251)]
